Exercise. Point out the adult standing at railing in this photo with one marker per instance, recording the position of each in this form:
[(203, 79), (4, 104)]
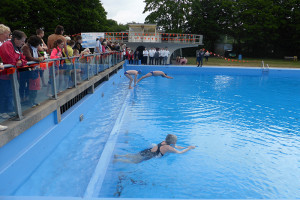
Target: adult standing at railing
[(43, 51), (11, 53), (98, 48), (78, 47), (4, 35), (40, 33), (59, 31), (30, 51)]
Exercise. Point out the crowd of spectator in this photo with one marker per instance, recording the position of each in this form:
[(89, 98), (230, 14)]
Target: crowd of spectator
[(106, 46), (153, 56), (16, 49)]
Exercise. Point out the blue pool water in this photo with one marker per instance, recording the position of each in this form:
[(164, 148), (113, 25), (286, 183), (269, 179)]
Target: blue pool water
[(246, 129)]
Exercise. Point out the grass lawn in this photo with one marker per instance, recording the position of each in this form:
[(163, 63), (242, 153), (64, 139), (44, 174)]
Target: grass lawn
[(215, 61)]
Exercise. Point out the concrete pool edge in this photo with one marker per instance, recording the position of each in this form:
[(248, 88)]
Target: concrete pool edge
[(90, 198)]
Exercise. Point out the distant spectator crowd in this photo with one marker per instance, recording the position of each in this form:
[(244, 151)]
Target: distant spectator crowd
[(153, 56)]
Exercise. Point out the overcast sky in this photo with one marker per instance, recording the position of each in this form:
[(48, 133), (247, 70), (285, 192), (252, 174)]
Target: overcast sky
[(124, 11)]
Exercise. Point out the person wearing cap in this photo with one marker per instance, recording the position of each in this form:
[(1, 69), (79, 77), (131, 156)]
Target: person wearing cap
[(157, 151), (129, 73), (67, 38)]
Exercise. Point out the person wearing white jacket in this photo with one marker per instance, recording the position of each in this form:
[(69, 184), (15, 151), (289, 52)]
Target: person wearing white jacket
[(151, 56), (145, 56), (166, 55)]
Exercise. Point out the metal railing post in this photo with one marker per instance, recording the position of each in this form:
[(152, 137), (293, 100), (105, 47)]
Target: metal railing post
[(88, 68), (75, 75), (16, 95), (97, 64), (53, 79)]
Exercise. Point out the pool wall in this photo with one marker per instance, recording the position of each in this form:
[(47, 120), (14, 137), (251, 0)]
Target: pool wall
[(21, 156), (25, 153)]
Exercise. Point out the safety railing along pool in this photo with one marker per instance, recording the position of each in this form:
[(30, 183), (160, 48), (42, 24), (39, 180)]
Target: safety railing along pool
[(25, 88)]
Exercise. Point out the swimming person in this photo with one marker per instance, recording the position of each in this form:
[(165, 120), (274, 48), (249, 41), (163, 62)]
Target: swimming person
[(167, 146), (128, 74), (155, 73)]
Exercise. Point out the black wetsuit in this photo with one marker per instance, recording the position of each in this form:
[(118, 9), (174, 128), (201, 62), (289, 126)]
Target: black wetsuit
[(147, 154)]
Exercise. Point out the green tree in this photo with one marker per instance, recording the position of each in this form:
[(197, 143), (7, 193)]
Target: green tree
[(169, 15), (13, 13), (75, 15), (113, 26), (259, 27), (208, 17)]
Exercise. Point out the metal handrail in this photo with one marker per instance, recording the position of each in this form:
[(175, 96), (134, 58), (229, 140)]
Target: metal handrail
[(59, 59), (178, 38)]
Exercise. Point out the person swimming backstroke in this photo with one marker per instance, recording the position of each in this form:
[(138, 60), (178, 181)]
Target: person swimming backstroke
[(167, 146)]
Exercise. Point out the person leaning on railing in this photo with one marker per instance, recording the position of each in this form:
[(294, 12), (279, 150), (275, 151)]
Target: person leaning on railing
[(68, 64), (56, 53), (11, 53), (4, 35), (43, 51), (78, 46), (30, 51)]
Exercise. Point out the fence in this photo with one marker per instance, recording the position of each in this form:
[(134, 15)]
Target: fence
[(26, 87), (176, 38)]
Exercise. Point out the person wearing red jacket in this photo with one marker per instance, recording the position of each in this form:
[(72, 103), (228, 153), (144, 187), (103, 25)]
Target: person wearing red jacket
[(130, 57), (11, 53), (4, 35)]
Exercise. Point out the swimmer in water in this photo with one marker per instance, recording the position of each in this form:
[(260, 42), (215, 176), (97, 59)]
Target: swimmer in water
[(155, 73), (128, 74), (167, 146)]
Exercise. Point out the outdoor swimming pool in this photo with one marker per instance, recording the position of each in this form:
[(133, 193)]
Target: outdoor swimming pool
[(246, 129)]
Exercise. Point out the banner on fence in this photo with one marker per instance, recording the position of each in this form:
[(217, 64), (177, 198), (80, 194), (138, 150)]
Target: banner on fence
[(89, 39)]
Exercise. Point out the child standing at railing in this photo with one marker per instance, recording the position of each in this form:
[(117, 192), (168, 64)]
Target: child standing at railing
[(56, 53), (30, 51), (68, 67)]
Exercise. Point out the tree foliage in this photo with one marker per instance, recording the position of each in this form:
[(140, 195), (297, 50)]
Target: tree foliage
[(75, 15), (259, 27), (169, 15)]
